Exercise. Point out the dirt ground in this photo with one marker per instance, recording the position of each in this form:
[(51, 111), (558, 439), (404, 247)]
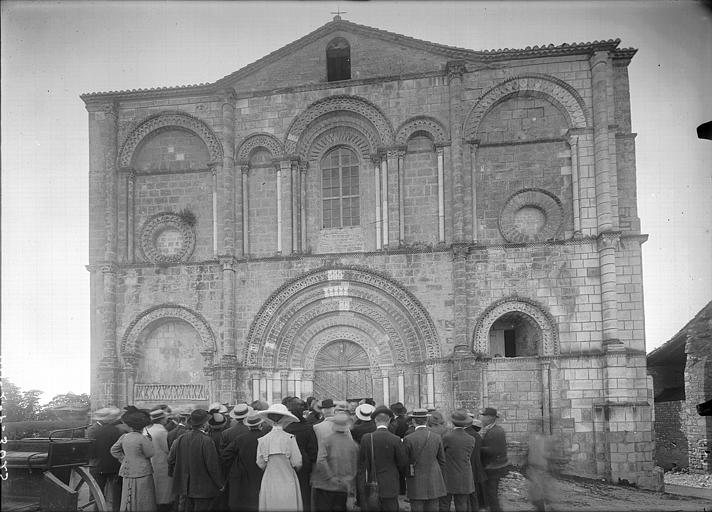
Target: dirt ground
[(589, 495)]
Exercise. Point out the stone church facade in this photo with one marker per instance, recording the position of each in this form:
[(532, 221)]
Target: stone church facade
[(364, 214)]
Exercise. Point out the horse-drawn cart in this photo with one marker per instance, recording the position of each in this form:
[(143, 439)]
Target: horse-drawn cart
[(50, 474)]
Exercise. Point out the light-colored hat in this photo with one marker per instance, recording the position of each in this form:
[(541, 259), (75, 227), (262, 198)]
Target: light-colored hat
[(341, 405), (107, 414), (157, 414), (221, 408), (253, 419), (364, 411), (279, 409), (341, 422), (460, 418), (240, 411), (419, 413), (476, 423)]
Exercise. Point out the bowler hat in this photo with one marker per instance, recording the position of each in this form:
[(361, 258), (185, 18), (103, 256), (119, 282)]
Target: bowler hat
[(364, 411), (240, 411), (398, 408), (327, 404), (381, 409), (489, 411), (199, 417), (419, 413), (460, 418)]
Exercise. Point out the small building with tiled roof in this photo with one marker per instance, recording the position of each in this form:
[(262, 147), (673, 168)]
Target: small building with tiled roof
[(682, 381), (362, 214)]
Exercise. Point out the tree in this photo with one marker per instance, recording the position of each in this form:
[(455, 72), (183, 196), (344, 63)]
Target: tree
[(70, 400), (18, 405)]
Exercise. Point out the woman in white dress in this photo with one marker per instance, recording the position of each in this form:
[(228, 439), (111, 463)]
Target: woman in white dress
[(279, 456)]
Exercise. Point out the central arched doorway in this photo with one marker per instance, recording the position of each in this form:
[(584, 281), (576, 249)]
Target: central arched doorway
[(342, 372)]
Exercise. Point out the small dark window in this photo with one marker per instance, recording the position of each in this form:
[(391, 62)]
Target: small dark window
[(510, 345), (338, 60)]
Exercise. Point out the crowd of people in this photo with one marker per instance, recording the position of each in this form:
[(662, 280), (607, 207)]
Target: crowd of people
[(298, 456)]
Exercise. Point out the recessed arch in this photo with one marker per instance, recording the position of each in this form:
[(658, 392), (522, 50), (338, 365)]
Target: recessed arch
[(258, 140), (129, 346), (352, 104), (558, 92), (343, 296), (549, 331), (170, 119), (332, 131), (430, 125)]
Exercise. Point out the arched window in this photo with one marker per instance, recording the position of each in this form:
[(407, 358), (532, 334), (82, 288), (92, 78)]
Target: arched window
[(338, 60), (339, 186)]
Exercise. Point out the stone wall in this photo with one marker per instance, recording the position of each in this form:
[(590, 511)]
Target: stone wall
[(671, 448)]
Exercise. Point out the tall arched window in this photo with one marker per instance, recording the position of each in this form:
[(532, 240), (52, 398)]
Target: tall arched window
[(338, 60), (340, 191)]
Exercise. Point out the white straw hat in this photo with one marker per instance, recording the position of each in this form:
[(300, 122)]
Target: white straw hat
[(279, 409)]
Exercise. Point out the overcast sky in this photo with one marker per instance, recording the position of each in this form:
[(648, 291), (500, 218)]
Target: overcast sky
[(53, 52)]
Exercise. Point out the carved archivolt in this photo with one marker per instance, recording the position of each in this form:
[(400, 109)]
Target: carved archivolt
[(541, 200), (158, 224), (170, 119), (342, 292), (334, 104), (376, 355), (422, 124), (557, 91), (129, 348), (333, 132), (549, 332), (259, 140)]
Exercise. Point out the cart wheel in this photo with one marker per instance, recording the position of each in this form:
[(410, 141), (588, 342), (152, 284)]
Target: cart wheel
[(90, 497)]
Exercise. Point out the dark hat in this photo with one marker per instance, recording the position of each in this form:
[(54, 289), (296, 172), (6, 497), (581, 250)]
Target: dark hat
[(327, 404), (398, 408), (136, 418), (460, 418), (382, 409), (418, 413), (199, 417), (436, 418), (489, 411)]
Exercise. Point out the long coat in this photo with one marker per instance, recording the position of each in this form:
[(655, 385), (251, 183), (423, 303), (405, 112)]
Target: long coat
[(303, 432), (244, 476), (104, 435), (478, 472), (164, 483), (458, 448), (361, 428), (428, 457), (494, 448), (390, 461), (193, 463), (231, 433)]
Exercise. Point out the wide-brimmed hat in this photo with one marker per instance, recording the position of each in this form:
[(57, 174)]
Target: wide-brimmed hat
[(278, 409), (364, 411), (489, 411), (218, 407), (327, 403), (136, 418), (259, 405), (158, 414), (253, 419), (460, 418), (199, 417), (436, 418), (418, 413), (341, 422), (107, 414), (398, 408), (240, 411), (381, 409)]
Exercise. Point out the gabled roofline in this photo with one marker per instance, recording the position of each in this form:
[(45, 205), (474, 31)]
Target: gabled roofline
[(679, 337), (449, 52)]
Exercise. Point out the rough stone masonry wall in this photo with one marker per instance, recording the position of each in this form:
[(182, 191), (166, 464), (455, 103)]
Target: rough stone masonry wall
[(670, 440)]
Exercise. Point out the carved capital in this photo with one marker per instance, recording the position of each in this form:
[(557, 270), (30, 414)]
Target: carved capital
[(303, 167), (440, 150), (460, 251), (392, 154), (608, 240), (228, 262), (455, 69), (376, 159), (245, 169), (109, 267), (283, 374), (213, 167)]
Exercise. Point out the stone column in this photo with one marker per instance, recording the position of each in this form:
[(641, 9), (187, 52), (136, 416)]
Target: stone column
[(278, 168), (284, 383), (386, 386), (401, 387), (109, 364), (303, 166), (228, 324), (441, 194), (129, 370), (455, 72), (296, 209), (255, 388), (607, 243), (575, 189), (384, 199), (430, 385), (474, 146), (393, 199), (459, 279), (130, 215), (245, 211), (226, 199), (599, 78), (376, 160), (214, 171), (546, 396), (308, 382), (401, 196), (288, 212), (297, 382)]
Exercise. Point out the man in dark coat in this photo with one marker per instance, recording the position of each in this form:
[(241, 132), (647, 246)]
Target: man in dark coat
[(304, 434), (238, 415), (458, 447), (104, 467), (364, 424), (494, 456), (399, 423), (389, 460), (424, 450), (240, 459), (195, 467), (180, 429), (477, 498)]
